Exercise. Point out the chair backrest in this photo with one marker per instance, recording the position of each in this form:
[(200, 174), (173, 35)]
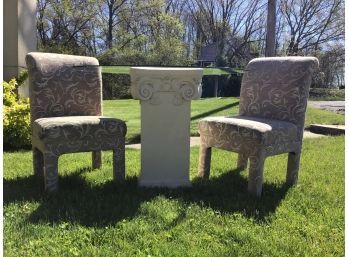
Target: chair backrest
[(277, 88), (63, 85)]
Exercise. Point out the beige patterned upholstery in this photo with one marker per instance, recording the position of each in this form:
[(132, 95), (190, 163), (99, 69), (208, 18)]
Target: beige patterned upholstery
[(271, 118), (66, 107)]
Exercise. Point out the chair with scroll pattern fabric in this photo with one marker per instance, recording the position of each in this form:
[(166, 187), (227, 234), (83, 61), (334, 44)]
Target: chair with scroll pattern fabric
[(272, 107), (66, 107)]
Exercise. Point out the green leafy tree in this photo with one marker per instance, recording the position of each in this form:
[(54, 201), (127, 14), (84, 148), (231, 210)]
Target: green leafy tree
[(153, 38), (66, 26)]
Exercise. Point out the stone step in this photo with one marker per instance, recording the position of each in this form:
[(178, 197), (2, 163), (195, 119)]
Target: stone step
[(327, 129), (308, 134)]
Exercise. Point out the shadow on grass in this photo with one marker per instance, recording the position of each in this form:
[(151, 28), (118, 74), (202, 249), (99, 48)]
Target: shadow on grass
[(108, 203), (204, 114), (135, 139)]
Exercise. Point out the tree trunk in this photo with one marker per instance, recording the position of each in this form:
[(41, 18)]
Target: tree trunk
[(109, 35), (271, 29)]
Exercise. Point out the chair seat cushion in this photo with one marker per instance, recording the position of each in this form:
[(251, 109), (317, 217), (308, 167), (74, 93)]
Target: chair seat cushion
[(240, 130), (71, 129)]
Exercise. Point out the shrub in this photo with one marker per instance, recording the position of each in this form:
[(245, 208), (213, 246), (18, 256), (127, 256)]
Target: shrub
[(16, 119), (327, 94), (232, 84), (227, 86), (116, 86)]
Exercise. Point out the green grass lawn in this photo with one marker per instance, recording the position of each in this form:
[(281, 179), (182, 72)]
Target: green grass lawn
[(94, 216), (129, 110), (206, 71)]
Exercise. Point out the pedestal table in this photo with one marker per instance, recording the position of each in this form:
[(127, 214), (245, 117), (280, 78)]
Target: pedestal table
[(165, 96)]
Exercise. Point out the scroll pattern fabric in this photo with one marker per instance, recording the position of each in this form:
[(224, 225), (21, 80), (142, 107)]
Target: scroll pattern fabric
[(64, 85), (65, 105), (73, 133), (274, 94), (277, 88), (273, 102)]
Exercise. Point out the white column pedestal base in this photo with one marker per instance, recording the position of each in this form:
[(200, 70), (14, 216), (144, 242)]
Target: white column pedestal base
[(165, 95)]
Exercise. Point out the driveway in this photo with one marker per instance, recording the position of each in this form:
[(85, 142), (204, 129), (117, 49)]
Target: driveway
[(333, 106)]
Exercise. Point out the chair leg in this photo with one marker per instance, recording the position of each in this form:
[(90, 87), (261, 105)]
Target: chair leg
[(38, 163), (256, 174), (96, 159), (242, 161), (204, 161), (119, 165), (293, 167), (51, 172)]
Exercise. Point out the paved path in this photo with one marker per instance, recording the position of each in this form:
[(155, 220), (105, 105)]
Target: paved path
[(194, 141), (333, 106)]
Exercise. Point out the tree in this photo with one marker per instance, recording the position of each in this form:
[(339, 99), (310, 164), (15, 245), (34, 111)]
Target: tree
[(154, 37), (212, 20), (310, 23), (110, 12), (332, 66), (41, 23), (231, 24), (65, 27), (247, 29)]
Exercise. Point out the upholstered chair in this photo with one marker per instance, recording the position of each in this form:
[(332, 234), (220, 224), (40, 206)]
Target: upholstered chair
[(272, 108), (66, 107)]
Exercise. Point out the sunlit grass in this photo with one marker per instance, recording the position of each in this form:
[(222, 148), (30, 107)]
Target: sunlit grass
[(129, 111), (206, 71), (94, 216)]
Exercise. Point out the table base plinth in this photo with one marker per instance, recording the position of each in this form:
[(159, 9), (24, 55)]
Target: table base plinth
[(162, 183), (165, 95)]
